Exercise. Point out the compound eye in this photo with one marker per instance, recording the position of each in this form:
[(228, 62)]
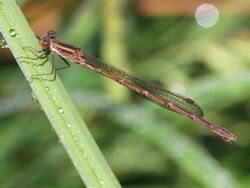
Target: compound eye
[(45, 44)]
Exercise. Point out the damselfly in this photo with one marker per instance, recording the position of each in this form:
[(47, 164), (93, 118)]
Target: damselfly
[(153, 92)]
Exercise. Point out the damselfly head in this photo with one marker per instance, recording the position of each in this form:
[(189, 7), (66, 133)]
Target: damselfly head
[(46, 40)]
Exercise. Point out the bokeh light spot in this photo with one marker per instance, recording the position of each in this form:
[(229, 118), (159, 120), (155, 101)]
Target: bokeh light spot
[(207, 15)]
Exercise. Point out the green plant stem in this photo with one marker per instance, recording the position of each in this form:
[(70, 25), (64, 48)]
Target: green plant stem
[(55, 101)]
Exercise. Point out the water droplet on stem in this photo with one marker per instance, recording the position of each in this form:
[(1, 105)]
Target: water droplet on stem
[(12, 33), (60, 110)]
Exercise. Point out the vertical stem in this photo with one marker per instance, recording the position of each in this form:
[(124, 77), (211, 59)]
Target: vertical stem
[(55, 102)]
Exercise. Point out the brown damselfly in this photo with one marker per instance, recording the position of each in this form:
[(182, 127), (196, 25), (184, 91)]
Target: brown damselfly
[(153, 92)]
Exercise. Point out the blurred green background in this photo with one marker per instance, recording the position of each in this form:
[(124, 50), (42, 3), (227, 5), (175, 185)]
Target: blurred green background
[(145, 145)]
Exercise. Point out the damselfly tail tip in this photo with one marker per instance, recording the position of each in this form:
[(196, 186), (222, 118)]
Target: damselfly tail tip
[(230, 139), (226, 135)]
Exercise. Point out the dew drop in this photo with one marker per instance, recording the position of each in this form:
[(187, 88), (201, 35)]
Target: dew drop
[(47, 89), (101, 182), (85, 156), (12, 33), (68, 125), (74, 137), (3, 43), (60, 138), (60, 110), (35, 100)]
